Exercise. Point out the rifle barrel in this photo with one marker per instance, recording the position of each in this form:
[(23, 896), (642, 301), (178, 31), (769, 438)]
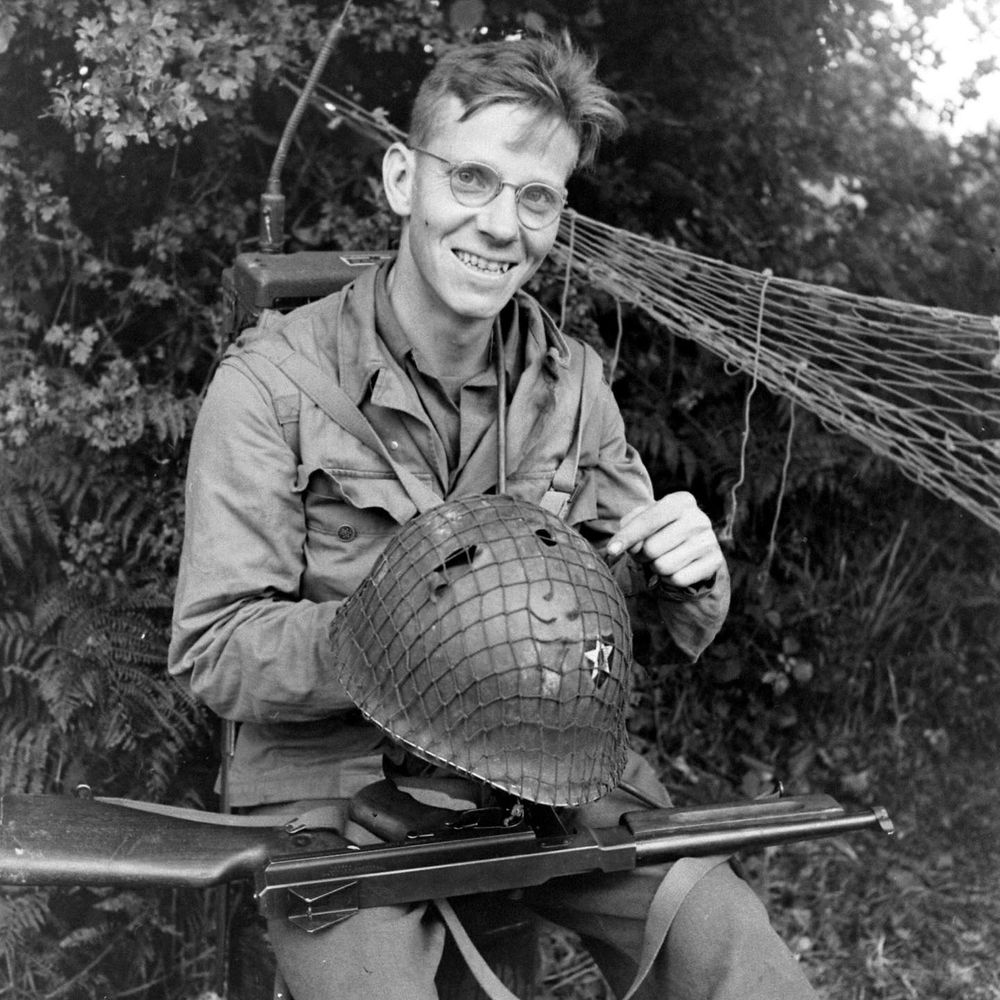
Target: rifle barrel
[(666, 845)]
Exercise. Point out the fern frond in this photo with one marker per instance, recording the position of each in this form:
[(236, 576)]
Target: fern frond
[(65, 691), (82, 937), (16, 639), (59, 602), (23, 914), (15, 530), (171, 417), (86, 682), (27, 524), (123, 901), (25, 757)]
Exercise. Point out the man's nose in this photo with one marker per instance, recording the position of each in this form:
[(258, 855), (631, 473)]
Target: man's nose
[(498, 218)]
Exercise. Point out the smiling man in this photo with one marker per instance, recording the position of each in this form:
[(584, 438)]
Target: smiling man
[(287, 510), (480, 208)]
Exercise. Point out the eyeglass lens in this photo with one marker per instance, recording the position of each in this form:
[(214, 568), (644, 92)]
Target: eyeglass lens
[(475, 184)]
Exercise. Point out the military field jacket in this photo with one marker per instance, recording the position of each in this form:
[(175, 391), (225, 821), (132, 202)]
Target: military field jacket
[(280, 528)]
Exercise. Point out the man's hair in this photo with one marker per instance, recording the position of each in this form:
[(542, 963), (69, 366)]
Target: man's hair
[(540, 74)]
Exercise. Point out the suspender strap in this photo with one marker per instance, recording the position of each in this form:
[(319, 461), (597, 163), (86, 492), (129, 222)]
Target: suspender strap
[(328, 395), (484, 975), (338, 406), (565, 477), (559, 495), (682, 877)]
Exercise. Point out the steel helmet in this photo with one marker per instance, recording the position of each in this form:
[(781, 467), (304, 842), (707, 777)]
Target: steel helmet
[(492, 638)]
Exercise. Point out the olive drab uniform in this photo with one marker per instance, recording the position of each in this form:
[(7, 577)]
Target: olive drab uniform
[(288, 510), (286, 513)]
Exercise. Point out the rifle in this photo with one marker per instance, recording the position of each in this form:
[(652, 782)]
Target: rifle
[(314, 878)]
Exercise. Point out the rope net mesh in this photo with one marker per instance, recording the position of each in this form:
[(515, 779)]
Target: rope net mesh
[(491, 637), (916, 384), (919, 385)]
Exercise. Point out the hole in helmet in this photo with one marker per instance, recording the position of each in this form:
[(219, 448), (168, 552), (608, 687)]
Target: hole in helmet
[(458, 560), (454, 565), (545, 537)]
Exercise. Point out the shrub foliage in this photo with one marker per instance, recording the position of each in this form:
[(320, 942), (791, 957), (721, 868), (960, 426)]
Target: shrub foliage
[(134, 143)]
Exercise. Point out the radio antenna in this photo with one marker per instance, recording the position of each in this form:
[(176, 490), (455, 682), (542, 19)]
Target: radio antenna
[(272, 201)]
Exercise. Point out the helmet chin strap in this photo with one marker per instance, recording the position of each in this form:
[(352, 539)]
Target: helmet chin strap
[(501, 370)]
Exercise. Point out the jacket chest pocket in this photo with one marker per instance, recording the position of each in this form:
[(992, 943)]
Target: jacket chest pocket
[(343, 540), (531, 483)]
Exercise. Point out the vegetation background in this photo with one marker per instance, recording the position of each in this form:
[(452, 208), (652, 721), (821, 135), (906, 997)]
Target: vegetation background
[(135, 138)]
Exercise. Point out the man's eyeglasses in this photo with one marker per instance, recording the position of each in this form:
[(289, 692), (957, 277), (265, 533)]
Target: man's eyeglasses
[(477, 184)]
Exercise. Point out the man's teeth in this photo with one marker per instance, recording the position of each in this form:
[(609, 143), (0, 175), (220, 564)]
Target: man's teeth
[(482, 264)]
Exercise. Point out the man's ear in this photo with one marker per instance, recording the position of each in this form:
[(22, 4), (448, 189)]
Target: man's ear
[(397, 178)]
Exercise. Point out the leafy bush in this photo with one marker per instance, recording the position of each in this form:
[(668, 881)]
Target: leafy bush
[(135, 142), (119, 208)]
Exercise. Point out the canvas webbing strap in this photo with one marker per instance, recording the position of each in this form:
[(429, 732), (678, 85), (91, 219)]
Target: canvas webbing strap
[(683, 876), (557, 498), (484, 975), (338, 406), (320, 818), (328, 395)]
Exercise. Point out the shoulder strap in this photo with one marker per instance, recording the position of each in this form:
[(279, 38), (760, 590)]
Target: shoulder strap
[(559, 495), (286, 404), (327, 394)]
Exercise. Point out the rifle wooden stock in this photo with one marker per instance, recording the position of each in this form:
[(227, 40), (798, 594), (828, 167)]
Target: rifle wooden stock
[(315, 878), (61, 840)]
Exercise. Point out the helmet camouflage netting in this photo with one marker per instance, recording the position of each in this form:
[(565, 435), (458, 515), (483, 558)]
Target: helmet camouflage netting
[(492, 638)]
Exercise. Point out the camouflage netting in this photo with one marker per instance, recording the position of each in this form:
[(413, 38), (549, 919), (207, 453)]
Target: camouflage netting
[(491, 637), (918, 384)]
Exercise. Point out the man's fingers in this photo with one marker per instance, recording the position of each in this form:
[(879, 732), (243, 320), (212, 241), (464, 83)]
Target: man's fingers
[(685, 572), (673, 536), (629, 535), (640, 523)]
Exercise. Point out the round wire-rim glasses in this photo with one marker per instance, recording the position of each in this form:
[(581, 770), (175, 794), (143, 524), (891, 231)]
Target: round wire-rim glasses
[(476, 184)]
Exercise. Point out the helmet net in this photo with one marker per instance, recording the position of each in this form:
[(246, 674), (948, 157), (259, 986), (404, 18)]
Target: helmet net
[(492, 638)]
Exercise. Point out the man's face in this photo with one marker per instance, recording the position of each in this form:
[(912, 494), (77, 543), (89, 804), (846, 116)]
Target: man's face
[(464, 264)]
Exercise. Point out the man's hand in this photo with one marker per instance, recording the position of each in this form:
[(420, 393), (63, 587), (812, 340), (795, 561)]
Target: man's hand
[(674, 537)]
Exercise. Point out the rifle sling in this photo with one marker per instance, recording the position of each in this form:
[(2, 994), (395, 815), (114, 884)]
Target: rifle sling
[(320, 818), (478, 966), (683, 875)]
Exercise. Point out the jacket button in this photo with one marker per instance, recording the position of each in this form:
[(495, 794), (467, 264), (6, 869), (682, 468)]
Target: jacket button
[(347, 533), (394, 445)]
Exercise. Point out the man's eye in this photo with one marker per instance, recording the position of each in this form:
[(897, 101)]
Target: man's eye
[(539, 198), (472, 177)]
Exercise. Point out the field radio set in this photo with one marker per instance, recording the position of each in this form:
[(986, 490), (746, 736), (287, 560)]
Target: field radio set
[(270, 278), (282, 281)]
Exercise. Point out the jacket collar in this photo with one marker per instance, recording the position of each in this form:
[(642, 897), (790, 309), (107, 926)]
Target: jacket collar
[(362, 354)]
